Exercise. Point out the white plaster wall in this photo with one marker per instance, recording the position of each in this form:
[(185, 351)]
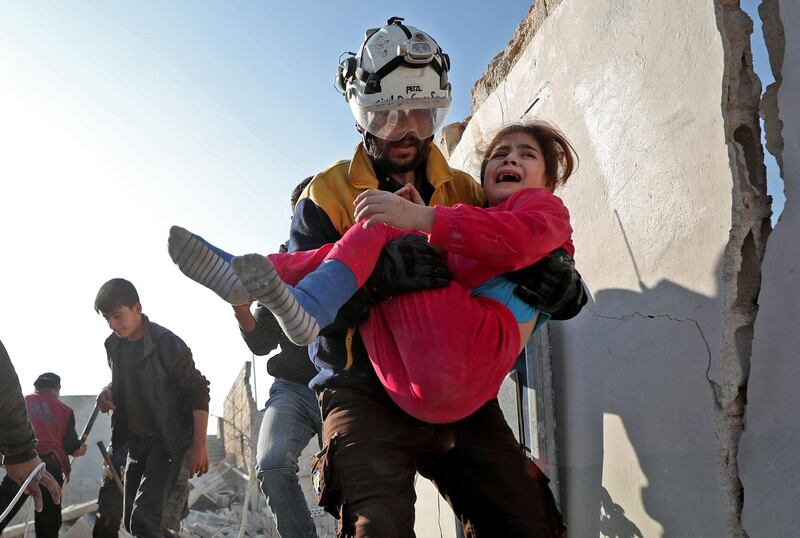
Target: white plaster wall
[(433, 516), (636, 86), (769, 457)]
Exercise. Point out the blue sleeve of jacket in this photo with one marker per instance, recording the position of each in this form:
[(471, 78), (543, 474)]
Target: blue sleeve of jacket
[(311, 227)]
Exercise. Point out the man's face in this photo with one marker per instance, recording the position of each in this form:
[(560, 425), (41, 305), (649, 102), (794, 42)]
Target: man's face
[(126, 322), (399, 156)]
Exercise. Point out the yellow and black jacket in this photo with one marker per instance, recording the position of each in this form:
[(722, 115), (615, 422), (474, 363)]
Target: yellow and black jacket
[(324, 213)]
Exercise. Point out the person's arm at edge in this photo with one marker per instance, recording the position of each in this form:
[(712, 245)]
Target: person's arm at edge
[(17, 440)]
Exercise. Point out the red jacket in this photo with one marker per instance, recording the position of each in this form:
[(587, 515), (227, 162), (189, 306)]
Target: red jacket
[(54, 425), (482, 243)]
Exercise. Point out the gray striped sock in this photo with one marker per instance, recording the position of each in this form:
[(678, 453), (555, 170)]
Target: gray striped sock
[(206, 264), (259, 277)]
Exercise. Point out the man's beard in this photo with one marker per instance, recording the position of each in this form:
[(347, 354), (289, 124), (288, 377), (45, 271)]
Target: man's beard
[(378, 150)]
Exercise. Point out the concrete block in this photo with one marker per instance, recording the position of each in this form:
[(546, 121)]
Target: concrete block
[(82, 528)]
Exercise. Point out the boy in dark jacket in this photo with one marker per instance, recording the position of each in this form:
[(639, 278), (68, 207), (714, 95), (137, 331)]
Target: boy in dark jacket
[(160, 404)]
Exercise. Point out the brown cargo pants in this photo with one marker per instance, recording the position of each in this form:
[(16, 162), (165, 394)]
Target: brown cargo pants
[(364, 475)]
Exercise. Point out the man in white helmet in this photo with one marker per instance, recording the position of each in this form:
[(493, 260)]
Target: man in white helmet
[(397, 88)]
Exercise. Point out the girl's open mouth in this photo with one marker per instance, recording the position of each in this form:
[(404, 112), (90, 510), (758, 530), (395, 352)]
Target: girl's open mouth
[(508, 176)]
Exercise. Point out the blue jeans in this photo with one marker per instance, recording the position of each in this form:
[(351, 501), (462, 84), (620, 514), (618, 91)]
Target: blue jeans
[(291, 419)]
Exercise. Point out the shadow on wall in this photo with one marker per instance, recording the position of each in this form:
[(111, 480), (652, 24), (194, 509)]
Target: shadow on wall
[(637, 447), (613, 523)]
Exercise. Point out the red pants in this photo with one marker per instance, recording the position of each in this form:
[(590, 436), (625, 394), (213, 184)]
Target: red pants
[(440, 354)]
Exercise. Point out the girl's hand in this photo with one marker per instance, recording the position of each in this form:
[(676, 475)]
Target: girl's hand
[(380, 207), (410, 193)]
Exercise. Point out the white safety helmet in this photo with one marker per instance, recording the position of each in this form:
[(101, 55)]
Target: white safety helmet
[(397, 82)]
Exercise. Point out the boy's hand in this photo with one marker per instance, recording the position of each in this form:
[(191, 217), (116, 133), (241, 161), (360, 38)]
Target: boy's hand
[(197, 460), (19, 473), (80, 451), (105, 400)]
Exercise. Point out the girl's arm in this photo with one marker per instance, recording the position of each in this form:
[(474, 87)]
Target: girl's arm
[(521, 231), (515, 234)]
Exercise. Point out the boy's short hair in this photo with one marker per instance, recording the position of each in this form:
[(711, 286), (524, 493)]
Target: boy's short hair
[(298, 190), (115, 293)]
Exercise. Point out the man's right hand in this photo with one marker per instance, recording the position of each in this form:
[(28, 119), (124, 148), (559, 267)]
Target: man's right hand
[(20, 471), (408, 263), (105, 400), (551, 285)]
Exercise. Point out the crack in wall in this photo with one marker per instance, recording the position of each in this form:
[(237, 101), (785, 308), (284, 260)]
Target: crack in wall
[(696, 323), (744, 253), (775, 40)]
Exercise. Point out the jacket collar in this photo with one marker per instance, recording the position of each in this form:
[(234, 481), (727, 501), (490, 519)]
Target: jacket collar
[(362, 173)]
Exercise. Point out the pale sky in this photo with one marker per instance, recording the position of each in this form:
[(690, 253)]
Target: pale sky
[(119, 119)]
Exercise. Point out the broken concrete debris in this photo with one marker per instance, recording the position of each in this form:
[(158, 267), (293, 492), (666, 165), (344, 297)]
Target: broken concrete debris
[(216, 509)]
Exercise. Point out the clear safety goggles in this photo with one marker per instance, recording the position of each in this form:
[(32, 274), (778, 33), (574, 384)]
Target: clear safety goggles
[(394, 123)]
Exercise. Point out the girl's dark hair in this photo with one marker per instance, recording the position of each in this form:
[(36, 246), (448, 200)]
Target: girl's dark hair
[(560, 159), (115, 293)]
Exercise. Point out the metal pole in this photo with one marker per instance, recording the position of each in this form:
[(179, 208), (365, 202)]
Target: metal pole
[(255, 383), (87, 429), (111, 466)]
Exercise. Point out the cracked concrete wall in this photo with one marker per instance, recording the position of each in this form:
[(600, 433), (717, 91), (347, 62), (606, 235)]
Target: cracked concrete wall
[(240, 421), (239, 427), (750, 229), (671, 216), (769, 457)]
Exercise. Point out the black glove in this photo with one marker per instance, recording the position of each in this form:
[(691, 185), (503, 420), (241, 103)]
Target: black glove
[(551, 285), (352, 313), (408, 263)]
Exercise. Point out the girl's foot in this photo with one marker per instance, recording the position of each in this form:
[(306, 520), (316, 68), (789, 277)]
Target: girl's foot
[(206, 264), (258, 276)]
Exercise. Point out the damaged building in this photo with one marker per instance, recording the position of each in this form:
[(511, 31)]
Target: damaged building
[(672, 413)]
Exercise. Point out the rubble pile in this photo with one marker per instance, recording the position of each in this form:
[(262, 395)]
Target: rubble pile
[(216, 510), (217, 502)]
